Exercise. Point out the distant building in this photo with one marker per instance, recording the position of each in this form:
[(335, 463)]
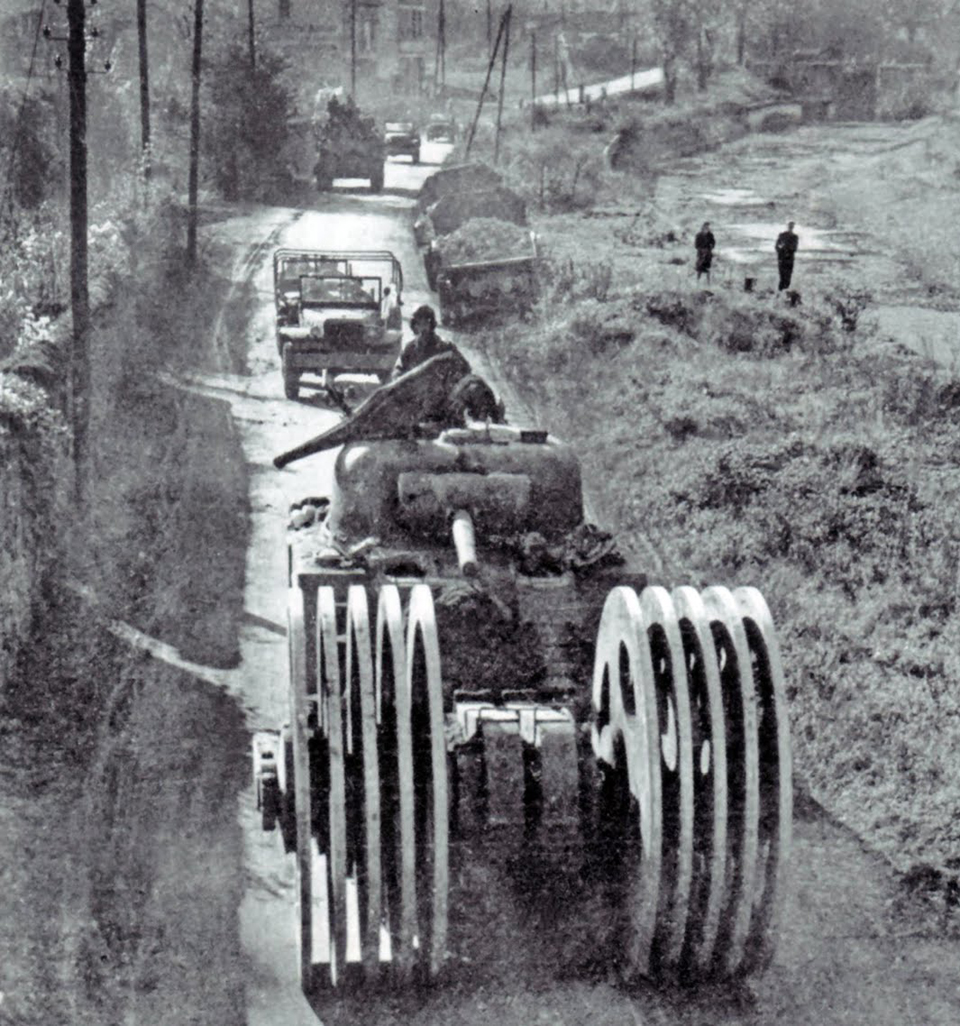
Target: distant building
[(391, 41), (389, 36)]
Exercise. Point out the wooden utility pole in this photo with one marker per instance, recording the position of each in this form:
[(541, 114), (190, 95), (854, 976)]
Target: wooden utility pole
[(194, 134), (533, 81), (503, 77), (353, 49), (440, 62), (741, 33), (566, 87), (250, 35), (79, 399), (556, 68), (486, 84), (144, 86)]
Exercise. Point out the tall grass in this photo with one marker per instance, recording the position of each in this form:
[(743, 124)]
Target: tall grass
[(755, 444)]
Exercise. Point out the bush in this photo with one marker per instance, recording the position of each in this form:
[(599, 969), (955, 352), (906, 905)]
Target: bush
[(549, 172), (29, 147), (743, 324)]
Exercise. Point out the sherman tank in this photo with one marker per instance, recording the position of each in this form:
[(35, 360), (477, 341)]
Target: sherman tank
[(475, 670)]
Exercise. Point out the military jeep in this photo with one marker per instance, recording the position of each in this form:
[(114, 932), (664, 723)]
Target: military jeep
[(338, 312)]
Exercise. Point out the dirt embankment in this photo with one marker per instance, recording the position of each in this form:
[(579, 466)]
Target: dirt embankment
[(122, 851)]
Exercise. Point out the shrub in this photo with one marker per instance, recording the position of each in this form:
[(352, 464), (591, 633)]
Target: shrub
[(549, 172)]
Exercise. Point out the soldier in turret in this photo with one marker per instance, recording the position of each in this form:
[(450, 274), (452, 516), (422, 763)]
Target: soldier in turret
[(425, 344), (457, 392)]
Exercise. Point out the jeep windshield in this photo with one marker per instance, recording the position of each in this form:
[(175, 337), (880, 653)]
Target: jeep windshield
[(340, 290), (399, 128), (291, 271)]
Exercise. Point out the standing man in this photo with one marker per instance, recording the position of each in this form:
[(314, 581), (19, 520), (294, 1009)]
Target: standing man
[(704, 243), (786, 250)]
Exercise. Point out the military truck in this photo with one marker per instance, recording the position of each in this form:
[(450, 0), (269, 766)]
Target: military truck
[(402, 138), (456, 179), (338, 312)]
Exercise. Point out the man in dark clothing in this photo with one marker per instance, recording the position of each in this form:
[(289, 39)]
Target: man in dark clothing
[(704, 243), (454, 391), (426, 344), (786, 250)]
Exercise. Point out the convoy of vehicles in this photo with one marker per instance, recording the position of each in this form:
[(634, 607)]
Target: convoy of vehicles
[(337, 312)]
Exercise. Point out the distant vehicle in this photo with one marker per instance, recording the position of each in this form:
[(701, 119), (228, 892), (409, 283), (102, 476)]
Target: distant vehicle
[(338, 312), (348, 146), (441, 128), (457, 179), (402, 137), (487, 288)]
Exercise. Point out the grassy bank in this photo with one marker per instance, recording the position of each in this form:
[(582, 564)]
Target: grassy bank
[(752, 443), (121, 772)]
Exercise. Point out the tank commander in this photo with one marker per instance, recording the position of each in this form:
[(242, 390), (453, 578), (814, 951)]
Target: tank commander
[(426, 344), (456, 392)]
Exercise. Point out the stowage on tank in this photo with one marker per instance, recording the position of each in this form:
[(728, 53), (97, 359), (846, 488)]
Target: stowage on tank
[(470, 660)]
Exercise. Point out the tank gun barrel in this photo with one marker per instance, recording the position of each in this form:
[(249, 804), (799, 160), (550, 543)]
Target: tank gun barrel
[(307, 448), (465, 542)]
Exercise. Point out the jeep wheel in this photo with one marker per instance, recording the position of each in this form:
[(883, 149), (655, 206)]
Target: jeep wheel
[(376, 179), (416, 156), (291, 377)]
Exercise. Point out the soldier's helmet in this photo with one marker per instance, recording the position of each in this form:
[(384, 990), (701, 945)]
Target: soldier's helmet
[(423, 313)]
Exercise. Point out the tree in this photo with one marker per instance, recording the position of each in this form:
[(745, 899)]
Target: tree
[(705, 19), (673, 25), (247, 136), (28, 148)]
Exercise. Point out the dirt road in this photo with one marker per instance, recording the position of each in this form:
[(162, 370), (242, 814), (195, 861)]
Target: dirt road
[(853, 949)]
